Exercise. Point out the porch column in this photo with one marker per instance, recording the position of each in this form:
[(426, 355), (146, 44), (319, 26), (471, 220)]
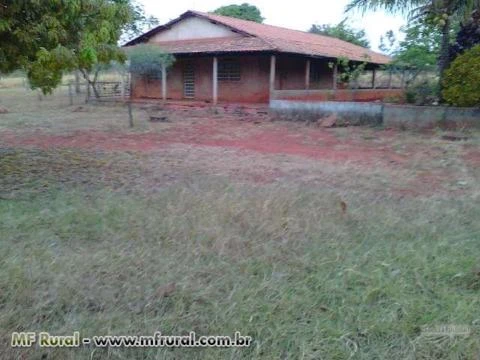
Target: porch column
[(273, 61), (164, 82), (307, 75), (335, 75), (215, 80), (374, 75)]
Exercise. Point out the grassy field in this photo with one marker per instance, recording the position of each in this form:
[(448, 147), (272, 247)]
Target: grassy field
[(361, 247)]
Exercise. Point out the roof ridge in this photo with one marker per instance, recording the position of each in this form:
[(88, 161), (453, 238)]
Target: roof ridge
[(250, 22), (208, 15)]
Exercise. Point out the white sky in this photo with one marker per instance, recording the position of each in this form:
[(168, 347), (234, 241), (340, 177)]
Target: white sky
[(298, 14)]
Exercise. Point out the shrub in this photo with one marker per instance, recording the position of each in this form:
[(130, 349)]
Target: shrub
[(148, 60), (461, 86), (424, 93)]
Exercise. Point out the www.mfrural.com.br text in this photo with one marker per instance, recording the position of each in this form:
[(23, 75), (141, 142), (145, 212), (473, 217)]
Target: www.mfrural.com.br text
[(45, 339)]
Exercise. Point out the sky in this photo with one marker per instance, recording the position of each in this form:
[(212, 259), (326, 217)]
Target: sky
[(299, 14)]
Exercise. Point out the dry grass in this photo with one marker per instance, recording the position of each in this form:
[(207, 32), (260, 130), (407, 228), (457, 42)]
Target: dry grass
[(90, 238)]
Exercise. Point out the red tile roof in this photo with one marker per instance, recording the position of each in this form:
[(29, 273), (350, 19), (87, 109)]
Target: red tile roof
[(262, 37), (215, 45)]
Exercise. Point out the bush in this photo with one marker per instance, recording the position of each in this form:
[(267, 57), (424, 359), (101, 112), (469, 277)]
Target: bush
[(148, 60), (461, 86), (424, 93)]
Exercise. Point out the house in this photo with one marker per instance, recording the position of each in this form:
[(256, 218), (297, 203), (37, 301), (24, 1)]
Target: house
[(224, 59)]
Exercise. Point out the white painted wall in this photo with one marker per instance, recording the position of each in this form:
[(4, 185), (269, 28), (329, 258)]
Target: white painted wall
[(193, 28)]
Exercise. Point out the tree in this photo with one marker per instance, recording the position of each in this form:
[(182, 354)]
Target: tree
[(141, 23), (244, 11), (342, 31), (388, 42), (148, 60), (462, 79), (420, 49), (25, 29), (467, 37), (416, 54), (54, 36), (441, 13)]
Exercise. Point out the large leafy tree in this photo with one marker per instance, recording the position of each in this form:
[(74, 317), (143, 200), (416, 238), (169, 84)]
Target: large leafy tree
[(47, 38), (342, 31), (418, 50), (467, 37), (141, 22), (244, 11), (440, 13)]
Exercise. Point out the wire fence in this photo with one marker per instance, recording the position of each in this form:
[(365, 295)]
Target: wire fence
[(110, 90), (390, 79)]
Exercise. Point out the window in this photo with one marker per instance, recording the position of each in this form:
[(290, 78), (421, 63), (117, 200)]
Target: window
[(228, 70), (189, 81)]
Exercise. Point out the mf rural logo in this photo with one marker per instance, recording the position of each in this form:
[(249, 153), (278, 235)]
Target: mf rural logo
[(44, 339)]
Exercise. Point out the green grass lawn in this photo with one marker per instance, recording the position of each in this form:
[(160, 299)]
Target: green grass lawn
[(86, 246)]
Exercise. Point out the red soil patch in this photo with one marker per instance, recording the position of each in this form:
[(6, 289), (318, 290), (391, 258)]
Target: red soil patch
[(264, 138), (472, 157)]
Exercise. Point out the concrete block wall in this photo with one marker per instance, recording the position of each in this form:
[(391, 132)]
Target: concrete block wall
[(352, 113), (427, 117), (374, 113)]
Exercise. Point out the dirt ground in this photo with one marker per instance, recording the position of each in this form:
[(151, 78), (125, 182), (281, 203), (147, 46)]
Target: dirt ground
[(273, 150), (238, 144)]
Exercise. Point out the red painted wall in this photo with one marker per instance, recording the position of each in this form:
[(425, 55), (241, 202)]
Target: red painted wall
[(324, 75), (253, 86)]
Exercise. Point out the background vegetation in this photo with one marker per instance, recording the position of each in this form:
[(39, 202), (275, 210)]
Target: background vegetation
[(244, 11)]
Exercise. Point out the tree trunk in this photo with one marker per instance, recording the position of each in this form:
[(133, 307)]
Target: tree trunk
[(90, 83), (94, 82), (444, 58), (87, 96), (77, 82), (94, 88)]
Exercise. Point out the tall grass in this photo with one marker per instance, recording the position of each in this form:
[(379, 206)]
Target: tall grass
[(282, 264), (331, 260)]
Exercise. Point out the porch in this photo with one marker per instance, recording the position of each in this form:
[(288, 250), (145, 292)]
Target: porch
[(260, 78)]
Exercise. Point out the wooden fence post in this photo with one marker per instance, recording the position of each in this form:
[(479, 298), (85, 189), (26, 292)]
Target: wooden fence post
[(70, 93), (130, 115), (77, 82), (403, 79), (87, 98)]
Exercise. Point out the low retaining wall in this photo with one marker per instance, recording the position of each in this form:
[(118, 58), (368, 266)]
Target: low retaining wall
[(352, 113), (375, 113), (425, 117)]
